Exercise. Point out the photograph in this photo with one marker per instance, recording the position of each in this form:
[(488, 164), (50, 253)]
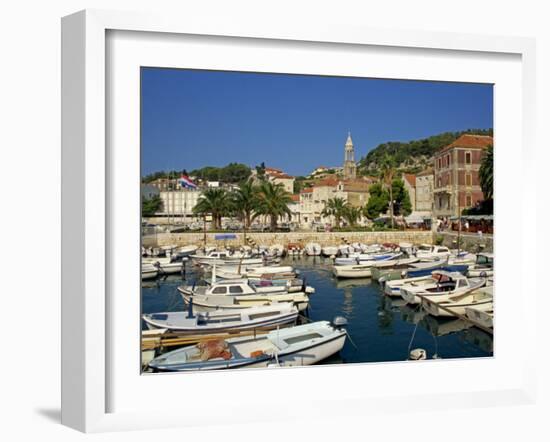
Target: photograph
[(291, 220)]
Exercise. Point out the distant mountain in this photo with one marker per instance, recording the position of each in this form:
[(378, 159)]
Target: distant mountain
[(414, 156)]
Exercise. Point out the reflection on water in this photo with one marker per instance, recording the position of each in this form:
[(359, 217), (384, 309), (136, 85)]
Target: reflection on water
[(380, 326)]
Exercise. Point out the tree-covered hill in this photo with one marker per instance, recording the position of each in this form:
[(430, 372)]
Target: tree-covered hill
[(414, 156)]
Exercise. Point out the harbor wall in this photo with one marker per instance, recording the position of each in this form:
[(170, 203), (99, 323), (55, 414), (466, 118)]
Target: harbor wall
[(265, 238), (468, 241)]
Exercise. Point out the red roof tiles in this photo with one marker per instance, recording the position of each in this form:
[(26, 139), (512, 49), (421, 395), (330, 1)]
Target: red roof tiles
[(471, 141), (410, 178)]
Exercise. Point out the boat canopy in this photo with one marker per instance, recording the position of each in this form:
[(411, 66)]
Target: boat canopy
[(224, 236)]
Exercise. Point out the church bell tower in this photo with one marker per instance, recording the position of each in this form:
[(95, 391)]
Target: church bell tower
[(350, 168)]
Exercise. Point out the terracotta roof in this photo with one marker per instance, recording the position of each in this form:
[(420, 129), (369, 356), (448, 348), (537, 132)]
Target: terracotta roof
[(471, 141), (295, 197), (426, 172), (327, 182), (272, 169), (307, 190), (410, 178), (282, 175)]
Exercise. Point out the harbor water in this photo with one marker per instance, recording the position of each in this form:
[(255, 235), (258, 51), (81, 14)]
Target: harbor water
[(381, 328)]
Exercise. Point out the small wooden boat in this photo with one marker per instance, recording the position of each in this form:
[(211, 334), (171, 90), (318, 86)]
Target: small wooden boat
[(222, 321), (481, 299), (295, 346), (444, 285)]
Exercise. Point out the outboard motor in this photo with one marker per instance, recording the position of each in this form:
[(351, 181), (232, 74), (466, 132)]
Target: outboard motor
[(339, 322)]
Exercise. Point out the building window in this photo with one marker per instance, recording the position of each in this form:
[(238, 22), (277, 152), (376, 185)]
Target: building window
[(448, 160), (468, 200), (468, 158), (468, 179)]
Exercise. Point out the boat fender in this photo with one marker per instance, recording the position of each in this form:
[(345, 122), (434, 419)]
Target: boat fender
[(483, 274), (418, 354)]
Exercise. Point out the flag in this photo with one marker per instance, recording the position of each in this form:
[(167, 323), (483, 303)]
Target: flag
[(184, 181)]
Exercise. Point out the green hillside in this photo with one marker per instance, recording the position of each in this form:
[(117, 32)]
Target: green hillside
[(414, 156)]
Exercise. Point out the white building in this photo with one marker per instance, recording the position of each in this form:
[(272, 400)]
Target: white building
[(179, 202)]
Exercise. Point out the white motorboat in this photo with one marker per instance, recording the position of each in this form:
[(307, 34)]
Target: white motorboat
[(329, 251), (365, 270), (346, 249), (222, 321), (165, 265), (295, 346), (444, 285), (483, 265), (366, 258), (148, 271), (277, 250), (313, 249), (427, 252), (224, 257), (480, 316), (481, 299), (393, 288), (232, 294), (186, 251), (239, 272)]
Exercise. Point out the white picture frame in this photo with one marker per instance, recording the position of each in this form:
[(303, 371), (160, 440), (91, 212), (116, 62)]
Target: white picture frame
[(86, 315)]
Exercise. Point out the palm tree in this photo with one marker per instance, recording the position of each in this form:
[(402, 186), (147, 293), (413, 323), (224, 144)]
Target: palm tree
[(486, 173), (245, 202), (273, 200), (335, 207), (387, 174), (216, 202), (352, 214)]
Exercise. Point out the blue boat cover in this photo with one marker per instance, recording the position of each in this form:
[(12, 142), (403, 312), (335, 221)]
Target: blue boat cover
[(222, 236)]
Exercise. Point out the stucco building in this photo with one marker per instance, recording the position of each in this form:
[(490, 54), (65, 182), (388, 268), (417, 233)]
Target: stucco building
[(424, 191), (456, 180), (409, 181)]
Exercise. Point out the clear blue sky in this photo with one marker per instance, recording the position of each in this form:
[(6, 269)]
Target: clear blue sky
[(192, 119)]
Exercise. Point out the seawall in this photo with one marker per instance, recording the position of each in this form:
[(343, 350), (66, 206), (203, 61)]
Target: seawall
[(265, 238)]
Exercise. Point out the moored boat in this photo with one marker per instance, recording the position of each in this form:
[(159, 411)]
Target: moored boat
[(480, 317), (365, 270), (234, 294), (148, 271), (444, 284), (296, 346), (312, 249), (481, 299), (330, 251), (222, 321)]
